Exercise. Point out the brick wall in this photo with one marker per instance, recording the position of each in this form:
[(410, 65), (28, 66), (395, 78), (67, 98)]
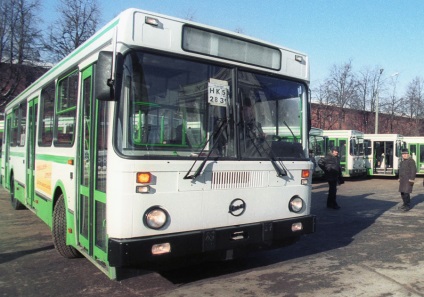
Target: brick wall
[(333, 118)]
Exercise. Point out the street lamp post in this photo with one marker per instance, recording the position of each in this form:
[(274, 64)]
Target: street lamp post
[(376, 115), (376, 103)]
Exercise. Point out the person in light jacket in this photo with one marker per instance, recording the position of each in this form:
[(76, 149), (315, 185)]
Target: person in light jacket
[(407, 172)]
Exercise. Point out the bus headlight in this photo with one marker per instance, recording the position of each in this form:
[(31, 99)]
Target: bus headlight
[(296, 204), (156, 217)]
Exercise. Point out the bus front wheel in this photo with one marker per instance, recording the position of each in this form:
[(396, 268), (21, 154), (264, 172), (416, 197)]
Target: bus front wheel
[(59, 231)]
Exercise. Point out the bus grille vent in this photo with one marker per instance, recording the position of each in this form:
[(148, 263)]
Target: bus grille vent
[(237, 179)]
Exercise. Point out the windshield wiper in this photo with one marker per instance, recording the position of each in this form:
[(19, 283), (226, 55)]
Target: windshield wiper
[(279, 167), (294, 137), (217, 133)]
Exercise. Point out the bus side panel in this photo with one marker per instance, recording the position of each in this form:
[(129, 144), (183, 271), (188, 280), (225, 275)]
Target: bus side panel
[(20, 192), (43, 209), (51, 179)]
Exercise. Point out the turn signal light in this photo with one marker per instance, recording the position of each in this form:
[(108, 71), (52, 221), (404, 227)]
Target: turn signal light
[(305, 173), (144, 177)]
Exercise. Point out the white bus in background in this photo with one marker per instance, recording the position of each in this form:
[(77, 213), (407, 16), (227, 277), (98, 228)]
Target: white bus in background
[(181, 140), (351, 150), (415, 145), (318, 148), (383, 153)]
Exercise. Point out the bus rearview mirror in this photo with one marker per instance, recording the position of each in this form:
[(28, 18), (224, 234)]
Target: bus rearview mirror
[(103, 85)]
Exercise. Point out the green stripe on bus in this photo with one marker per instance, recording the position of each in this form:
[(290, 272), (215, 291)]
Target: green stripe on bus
[(17, 154), (54, 159)]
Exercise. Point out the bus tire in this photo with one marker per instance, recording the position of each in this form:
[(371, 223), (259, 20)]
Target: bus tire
[(59, 231), (16, 204)]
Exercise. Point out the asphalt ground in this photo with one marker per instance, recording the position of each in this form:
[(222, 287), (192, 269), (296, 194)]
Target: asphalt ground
[(367, 248)]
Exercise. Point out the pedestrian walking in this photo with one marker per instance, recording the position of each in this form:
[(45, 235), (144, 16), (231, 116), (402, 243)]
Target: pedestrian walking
[(407, 172), (330, 164)]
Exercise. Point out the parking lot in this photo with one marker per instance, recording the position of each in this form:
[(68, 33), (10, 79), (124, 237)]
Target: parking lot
[(367, 248)]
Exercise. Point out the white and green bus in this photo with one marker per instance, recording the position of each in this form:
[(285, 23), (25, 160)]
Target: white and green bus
[(351, 150), (161, 138)]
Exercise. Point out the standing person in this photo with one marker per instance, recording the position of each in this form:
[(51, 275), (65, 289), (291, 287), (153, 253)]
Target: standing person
[(330, 164), (407, 172)]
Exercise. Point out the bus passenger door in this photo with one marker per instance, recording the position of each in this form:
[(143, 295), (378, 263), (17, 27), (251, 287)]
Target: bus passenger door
[(30, 161), (91, 172), (416, 151), (415, 154), (6, 157), (369, 157), (420, 158)]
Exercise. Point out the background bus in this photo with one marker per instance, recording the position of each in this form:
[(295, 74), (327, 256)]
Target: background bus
[(161, 138), (415, 145), (383, 153), (351, 150), (318, 148)]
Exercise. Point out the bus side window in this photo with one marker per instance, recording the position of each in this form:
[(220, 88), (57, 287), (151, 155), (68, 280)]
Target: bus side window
[(46, 115), (343, 150), (66, 107)]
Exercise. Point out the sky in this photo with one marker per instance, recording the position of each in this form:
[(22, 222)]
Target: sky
[(388, 34)]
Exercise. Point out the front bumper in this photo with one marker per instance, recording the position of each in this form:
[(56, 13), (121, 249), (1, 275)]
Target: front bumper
[(136, 251)]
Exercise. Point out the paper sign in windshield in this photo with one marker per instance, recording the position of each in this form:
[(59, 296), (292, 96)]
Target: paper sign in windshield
[(218, 92)]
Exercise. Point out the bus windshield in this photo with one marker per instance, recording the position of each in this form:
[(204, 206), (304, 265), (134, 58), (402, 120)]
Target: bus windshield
[(176, 108)]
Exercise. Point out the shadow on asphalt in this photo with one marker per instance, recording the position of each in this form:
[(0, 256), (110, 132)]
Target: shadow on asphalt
[(334, 229), (416, 199), (7, 257)]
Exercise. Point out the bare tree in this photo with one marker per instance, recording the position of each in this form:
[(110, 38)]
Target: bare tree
[(77, 21), (342, 88), (415, 98), (414, 103), (190, 15), (19, 38), (323, 114), (377, 86), (392, 106), (369, 85), (19, 33), (27, 35), (5, 11)]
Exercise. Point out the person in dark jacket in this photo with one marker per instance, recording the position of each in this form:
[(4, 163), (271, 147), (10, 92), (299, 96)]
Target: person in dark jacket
[(330, 164), (407, 172)]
